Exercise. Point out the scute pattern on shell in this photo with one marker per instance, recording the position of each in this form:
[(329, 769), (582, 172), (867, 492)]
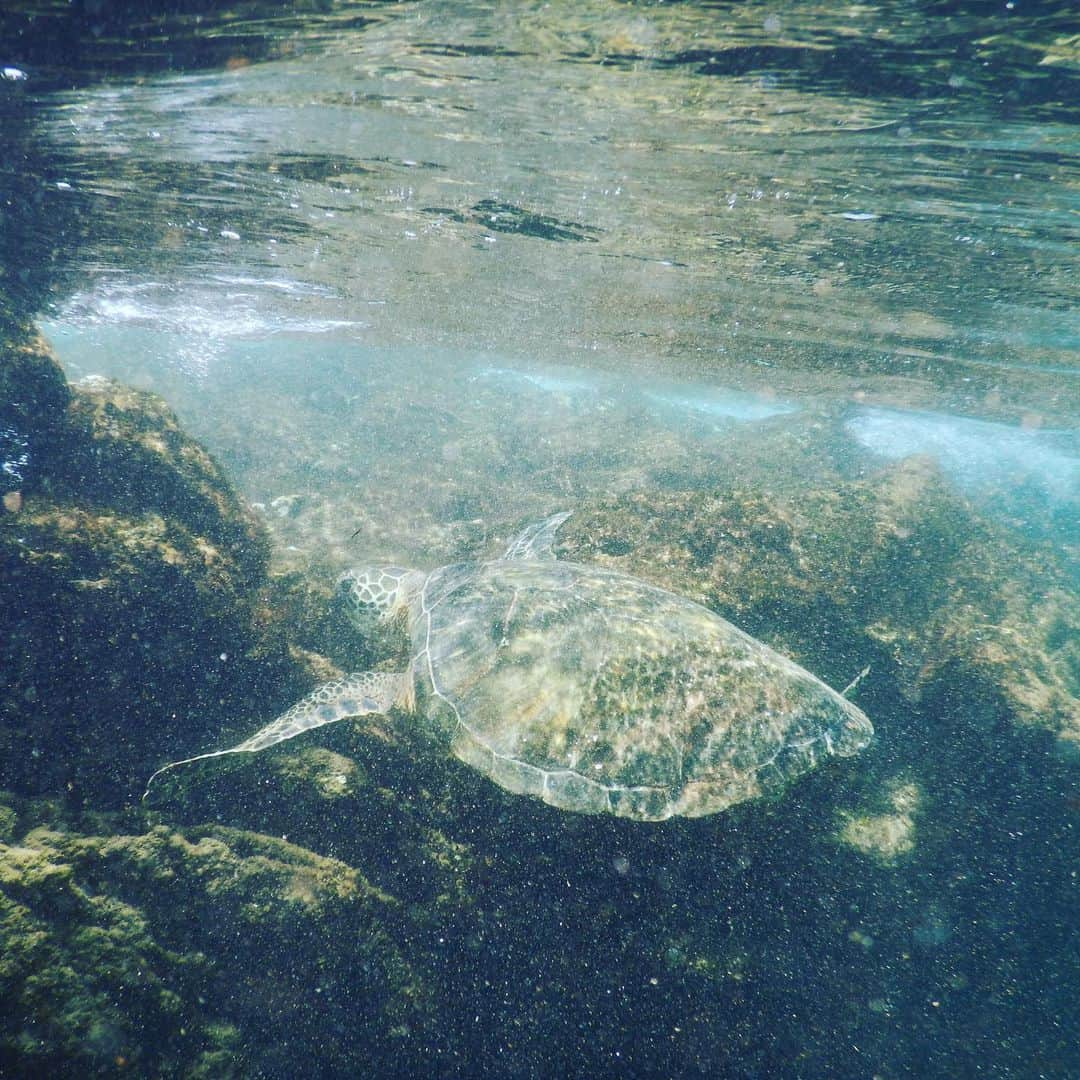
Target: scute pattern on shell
[(600, 693)]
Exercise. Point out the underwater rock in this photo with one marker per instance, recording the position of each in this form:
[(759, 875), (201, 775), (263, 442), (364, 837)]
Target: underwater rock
[(149, 953), (130, 602), (886, 836), (385, 778), (33, 398), (127, 451)]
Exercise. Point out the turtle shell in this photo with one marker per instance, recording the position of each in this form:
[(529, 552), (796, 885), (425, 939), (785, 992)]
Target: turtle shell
[(599, 693)]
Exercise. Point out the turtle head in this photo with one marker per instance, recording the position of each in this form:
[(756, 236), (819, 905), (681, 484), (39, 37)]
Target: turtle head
[(374, 594)]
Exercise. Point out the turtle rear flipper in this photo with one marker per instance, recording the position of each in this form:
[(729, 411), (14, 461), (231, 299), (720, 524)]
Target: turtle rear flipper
[(355, 695), (537, 541)]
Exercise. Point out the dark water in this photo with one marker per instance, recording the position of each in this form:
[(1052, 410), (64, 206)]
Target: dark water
[(416, 273)]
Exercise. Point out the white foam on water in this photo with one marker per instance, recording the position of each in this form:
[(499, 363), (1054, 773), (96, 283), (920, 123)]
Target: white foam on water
[(569, 385), (663, 398), (977, 454), (193, 324), (720, 402)]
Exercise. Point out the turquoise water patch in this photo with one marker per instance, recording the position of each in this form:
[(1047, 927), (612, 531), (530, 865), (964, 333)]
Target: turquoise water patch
[(669, 402), (717, 402), (1013, 464), (577, 385)]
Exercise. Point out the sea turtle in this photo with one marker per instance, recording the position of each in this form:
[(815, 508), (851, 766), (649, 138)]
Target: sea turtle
[(583, 686)]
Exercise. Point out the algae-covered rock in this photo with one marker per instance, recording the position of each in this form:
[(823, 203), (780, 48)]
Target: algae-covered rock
[(374, 799), (34, 396), (130, 591), (127, 451), (150, 953), (81, 975)]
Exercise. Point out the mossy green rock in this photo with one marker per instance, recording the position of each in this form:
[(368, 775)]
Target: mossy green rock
[(148, 953), (34, 396), (132, 583), (127, 451)]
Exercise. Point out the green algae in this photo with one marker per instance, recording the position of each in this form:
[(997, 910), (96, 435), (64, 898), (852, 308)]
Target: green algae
[(884, 836), (124, 949)]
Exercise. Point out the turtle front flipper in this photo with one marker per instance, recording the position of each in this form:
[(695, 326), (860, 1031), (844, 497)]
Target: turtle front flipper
[(356, 694)]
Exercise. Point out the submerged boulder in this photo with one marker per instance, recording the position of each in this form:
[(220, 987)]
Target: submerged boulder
[(131, 591), (172, 952), (34, 396), (126, 450)]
